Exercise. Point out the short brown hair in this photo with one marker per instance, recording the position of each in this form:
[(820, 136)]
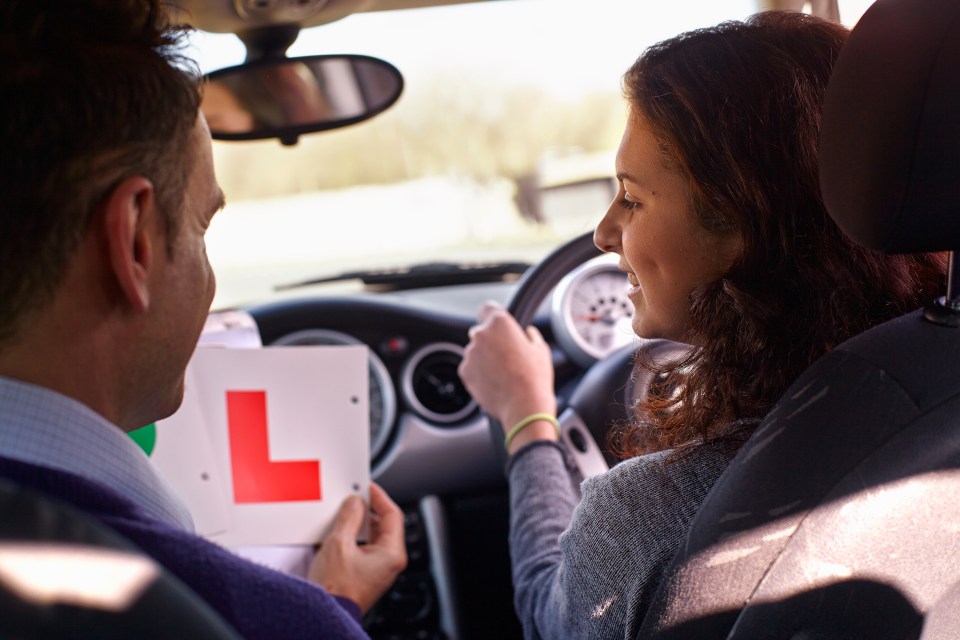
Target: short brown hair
[(736, 110), (94, 91)]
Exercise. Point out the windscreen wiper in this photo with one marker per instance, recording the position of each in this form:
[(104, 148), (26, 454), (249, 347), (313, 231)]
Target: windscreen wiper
[(430, 274)]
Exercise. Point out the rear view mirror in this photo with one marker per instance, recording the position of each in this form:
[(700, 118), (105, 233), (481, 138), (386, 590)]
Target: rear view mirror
[(287, 97)]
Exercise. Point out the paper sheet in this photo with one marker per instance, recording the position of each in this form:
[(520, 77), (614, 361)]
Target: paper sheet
[(287, 439)]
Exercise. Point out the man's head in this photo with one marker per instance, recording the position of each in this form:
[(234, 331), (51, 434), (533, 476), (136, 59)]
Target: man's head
[(106, 190), (93, 92)]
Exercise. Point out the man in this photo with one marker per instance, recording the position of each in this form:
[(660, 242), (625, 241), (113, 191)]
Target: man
[(106, 189)]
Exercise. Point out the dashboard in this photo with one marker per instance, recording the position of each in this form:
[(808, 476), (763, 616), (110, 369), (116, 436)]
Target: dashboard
[(430, 444), (421, 416)]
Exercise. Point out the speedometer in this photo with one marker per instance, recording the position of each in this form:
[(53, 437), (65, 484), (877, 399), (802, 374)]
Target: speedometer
[(383, 398), (591, 315)]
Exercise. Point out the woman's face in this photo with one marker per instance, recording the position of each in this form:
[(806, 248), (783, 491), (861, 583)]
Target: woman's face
[(664, 251)]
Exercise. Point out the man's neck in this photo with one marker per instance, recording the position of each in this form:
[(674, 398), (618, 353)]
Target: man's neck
[(68, 354)]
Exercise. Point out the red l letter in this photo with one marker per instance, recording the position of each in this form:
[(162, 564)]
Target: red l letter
[(255, 477)]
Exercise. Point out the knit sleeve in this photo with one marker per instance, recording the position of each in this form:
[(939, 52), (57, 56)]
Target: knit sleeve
[(590, 569), (351, 607)]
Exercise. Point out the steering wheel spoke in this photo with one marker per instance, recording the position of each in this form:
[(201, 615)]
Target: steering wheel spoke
[(581, 444)]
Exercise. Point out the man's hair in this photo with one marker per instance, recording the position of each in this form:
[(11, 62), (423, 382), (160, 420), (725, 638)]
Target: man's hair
[(94, 92), (736, 111)]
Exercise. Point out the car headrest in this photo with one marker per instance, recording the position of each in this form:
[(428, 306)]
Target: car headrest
[(890, 138)]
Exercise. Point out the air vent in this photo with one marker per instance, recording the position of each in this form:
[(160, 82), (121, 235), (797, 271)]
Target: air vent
[(432, 387)]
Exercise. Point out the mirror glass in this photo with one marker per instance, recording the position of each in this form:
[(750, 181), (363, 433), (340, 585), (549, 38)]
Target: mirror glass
[(285, 97)]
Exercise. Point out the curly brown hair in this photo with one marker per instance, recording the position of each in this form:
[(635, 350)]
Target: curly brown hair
[(736, 111)]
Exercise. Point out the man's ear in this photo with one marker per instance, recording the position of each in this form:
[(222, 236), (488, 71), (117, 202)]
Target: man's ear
[(130, 225)]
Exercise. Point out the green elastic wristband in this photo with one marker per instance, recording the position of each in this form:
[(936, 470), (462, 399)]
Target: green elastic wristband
[(530, 419)]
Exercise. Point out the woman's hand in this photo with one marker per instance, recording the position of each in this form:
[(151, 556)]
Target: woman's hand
[(509, 372), (362, 573)]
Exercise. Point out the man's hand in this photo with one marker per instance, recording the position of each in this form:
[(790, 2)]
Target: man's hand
[(362, 573)]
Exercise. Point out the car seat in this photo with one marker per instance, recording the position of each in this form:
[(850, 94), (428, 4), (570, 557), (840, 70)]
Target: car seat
[(63, 575), (840, 517)]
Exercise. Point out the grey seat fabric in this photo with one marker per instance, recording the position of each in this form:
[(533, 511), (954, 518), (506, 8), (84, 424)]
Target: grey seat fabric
[(852, 480), (840, 517), (943, 621), (37, 602)]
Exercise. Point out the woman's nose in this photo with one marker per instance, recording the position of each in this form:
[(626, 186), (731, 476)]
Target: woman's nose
[(607, 234)]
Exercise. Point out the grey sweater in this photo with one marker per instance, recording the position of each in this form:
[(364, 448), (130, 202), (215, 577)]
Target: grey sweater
[(588, 567)]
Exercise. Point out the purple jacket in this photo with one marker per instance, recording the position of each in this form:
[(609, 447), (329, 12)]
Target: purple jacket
[(258, 602)]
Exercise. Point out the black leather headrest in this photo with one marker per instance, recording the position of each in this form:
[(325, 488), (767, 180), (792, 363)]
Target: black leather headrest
[(890, 141)]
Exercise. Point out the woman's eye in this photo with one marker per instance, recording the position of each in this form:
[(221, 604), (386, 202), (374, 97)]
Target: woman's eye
[(630, 205)]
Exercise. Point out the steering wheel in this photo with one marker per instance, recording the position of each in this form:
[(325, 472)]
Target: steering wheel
[(591, 407)]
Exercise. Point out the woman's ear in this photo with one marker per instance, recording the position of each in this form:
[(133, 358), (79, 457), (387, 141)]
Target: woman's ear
[(130, 226)]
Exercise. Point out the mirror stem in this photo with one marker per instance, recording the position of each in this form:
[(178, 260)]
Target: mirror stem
[(269, 42)]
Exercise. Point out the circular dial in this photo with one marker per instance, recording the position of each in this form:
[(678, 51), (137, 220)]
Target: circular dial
[(383, 399), (432, 387), (591, 314)]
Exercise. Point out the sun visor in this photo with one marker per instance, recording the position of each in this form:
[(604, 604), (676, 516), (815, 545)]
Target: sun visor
[(890, 140)]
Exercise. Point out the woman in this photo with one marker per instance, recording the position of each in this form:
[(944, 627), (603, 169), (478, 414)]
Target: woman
[(727, 247)]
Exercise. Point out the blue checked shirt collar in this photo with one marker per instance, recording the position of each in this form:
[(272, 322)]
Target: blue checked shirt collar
[(42, 427)]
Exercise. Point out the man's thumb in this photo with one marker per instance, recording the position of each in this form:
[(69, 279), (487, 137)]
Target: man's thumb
[(349, 518)]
